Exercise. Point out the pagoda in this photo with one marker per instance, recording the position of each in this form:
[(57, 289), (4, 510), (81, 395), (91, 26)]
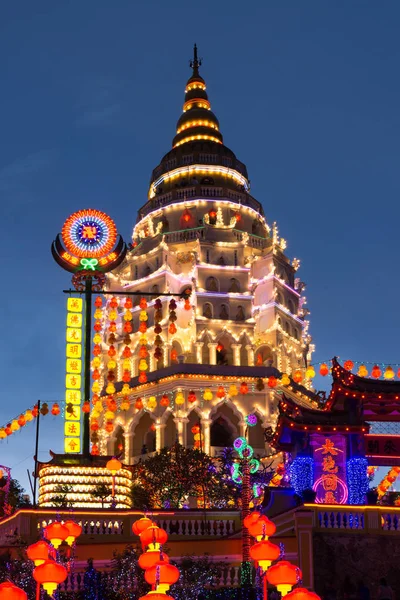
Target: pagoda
[(241, 320)]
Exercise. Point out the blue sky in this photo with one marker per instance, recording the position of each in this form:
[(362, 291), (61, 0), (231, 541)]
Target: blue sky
[(307, 94)]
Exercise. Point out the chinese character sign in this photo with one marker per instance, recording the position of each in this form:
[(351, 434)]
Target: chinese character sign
[(73, 376), (330, 468), (382, 446)]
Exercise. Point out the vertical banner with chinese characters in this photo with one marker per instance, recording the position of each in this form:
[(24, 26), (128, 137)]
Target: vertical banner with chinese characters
[(329, 453), (73, 377)]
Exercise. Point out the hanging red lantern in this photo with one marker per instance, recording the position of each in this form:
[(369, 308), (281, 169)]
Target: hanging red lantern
[(139, 404), (156, 596), (188, 306), (128, 303), (174, 355), (262, 528), (95, 451), (163, 575), (141, 525), (186, 216), (213, 214), (98, 302), (142, 377), (297, 376), (86, 407), (272, 382), (220, 347), (238, 217), (21, 421), (348, 365), (192, 396), (96, 350), (56, 533), (251, 518), (9, 591), (376, 372), (302, 594), (153, 535), (74, 529), (195, 429), (323, 370), (94, 426), (114, 302), (38, 552), (172, 328), (50, 574), (56, 409), (8, 429), (149, 559), (35, 411), (283, 575), (164, 400), (264, 553), (221, 392), (244, 388), (109, 427)]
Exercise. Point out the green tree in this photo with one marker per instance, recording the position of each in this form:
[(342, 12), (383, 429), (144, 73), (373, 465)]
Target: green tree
[(15, 498), (60, 498), (101, 492)]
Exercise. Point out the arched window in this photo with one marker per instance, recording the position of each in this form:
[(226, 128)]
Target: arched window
[(287, 327), (224, 312), (211, 284), (221, 434), (291, 306), (240, 314), (234, 286), (207, 310), (295, 333)]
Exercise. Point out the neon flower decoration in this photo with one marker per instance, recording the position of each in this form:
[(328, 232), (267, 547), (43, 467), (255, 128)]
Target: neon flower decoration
[(89, 233), (251, 420), (239, 443)]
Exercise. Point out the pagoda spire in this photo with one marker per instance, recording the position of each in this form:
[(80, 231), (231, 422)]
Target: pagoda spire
[(198, 122)]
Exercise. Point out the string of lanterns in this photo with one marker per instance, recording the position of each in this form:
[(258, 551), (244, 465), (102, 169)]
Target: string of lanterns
[(388, 481), (378, 371), (26, 417)]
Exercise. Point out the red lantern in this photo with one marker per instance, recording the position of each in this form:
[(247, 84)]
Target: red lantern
[(128, 303), (163, 574), (297, 376), (95, 451), (348, 365), (376, 372), (9, 591), (302, 594), (143, 303), (139, 404), (156, 596), (263, 527), (141, 525), (272, 381), (187, 306), (149, 559), (50, 574), (111, 351), (283, 575), (143, 352), (109, 427), (142, 377), (220, 347), (221, 392), (213, 214), (186, 216), (21, 421), (38, 552), (56, 533), (153, 535), (172, 328), (85, 407), (8, 429), (192, 397), (251, 518), (98, 302), (74, 529), (174, 355), (324, 370), (164, 400), (96, 350), (244, 388), (113, 302), (94, 426), (264, 553)]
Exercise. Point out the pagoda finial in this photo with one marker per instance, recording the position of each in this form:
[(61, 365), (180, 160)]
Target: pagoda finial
[(196, 62)]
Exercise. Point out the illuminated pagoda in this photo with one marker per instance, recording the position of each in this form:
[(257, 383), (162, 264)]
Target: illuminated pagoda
[(217, 355)]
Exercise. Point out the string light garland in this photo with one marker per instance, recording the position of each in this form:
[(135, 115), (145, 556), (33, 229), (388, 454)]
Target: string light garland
[(143, 352), (301, 473), (357, 479)]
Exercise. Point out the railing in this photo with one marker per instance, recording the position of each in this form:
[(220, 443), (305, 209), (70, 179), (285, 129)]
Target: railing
[(360, 519)]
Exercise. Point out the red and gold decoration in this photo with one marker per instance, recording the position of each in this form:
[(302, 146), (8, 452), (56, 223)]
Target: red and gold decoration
[(157, 329), (143, 351), (172, 317), (73, 377)]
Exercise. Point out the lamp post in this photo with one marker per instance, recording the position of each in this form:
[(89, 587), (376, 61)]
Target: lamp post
[(113, 465)]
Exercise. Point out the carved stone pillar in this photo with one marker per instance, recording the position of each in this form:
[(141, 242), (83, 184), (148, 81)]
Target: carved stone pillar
[(199, 352), (180, 423), (236, 354), (127, 452), (212, 346), (250, 355), (159, 435), (206, 434), (166, 354)]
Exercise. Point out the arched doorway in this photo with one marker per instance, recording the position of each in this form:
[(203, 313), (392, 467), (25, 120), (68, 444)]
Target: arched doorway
[(169, 431), (119, 441), (140, 437), (224, 427), (194, 419), (263, 354)]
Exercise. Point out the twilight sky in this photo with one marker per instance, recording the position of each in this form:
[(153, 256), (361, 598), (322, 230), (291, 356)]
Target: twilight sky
[(307, 94)]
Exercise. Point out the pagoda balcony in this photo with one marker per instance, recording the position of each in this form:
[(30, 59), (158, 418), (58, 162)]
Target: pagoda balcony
[(198, 192)]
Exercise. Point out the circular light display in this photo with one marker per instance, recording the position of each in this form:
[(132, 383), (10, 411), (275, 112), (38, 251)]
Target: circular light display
[(89, 233)]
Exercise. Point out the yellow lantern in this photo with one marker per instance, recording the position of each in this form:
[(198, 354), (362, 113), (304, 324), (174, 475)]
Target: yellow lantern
[(143, 340), (233, 391), (14, 425), (128, 316), (389, 373), (97, 339), (112, 315), (95, 414), (124, 405), (179, 398), (152, 403), (96, 389), (143, 316), (125, 389), (362, 371), (143, 366), (285, 379), (3, 434), (110, 389), (109, 415), (126, 364), (96, 362), (207, 394), (28, 416), (111, 365), (98, 314), (310, 372), (99, 406), (197, 437)]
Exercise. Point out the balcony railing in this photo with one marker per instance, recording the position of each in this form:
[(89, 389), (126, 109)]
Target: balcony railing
[(360, 519)]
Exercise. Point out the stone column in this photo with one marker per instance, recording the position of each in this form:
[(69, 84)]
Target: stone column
[(212, 346), (250, 355), (159, 435), (236, 354), (127, 453), (180, 423), (166, 350), (152, 361), (304, 526), (205, 434), (199, 352)]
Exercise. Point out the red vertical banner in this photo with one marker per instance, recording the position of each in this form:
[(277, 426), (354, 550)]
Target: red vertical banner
[(329, 452)]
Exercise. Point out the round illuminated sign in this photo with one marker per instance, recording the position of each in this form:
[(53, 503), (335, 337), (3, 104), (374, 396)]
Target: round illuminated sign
[(89, 233)]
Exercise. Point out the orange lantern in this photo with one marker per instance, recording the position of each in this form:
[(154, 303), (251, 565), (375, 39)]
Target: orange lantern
[(376, 372), (164, 400), (264, 553), (109, 426), (139, 404), (56, 533), (297, 376), (38, 552), (163, 574), (50, 574), (75, 531), (262, 528), (21, 420), (141, 525), (113, 465), (9, 591), (302, 594), (149, 559), (220, 392), (283, 575), (251, 518), (272, 381), (153, 536), (156, 596), (348, 365), (85, 407), (244, 388), (324, 370), (95, 451)]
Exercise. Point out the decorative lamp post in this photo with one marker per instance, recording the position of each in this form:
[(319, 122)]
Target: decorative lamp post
[(283, 575), (50, 574), (56, 533), (113, 465), (9, 591), (38, 552)]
